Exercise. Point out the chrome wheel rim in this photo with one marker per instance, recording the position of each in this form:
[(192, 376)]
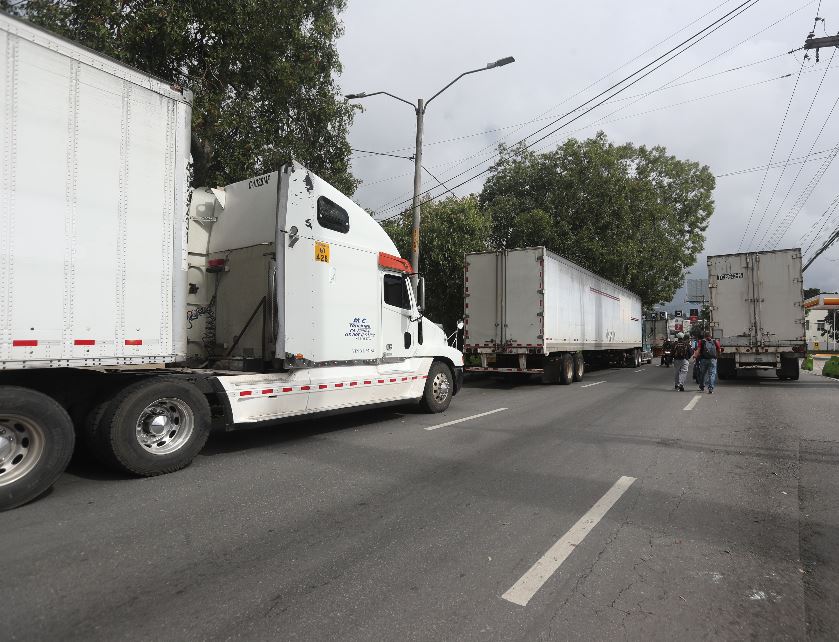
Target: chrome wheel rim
[(22, 443), (165, 425), (569, 370), (440, 387)]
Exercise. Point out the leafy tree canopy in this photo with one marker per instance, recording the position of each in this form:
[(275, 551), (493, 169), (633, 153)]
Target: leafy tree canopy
[(632, 214), (450, 228), (262, 72), (809, 293)]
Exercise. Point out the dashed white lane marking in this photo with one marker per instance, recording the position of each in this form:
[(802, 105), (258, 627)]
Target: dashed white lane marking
[(693, 402), (458, 421), (589, 385), (523, 590), (641, 370)]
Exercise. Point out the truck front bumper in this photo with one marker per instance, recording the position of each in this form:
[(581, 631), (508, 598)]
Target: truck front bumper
[(458, 378)]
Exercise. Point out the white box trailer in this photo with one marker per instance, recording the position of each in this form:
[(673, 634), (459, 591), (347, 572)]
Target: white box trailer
[(757, 311), (531, 311), (134, 321)]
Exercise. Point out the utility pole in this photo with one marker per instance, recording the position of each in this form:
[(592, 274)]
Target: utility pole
[(420, 108), (415, 232)]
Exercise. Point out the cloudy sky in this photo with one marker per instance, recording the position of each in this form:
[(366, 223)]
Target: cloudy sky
[(566, 53)]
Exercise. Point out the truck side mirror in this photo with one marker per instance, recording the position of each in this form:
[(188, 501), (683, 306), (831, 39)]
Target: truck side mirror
[(421, 293)]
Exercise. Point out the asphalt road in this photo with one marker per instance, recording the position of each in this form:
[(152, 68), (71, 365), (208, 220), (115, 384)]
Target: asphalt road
[(370, 527)]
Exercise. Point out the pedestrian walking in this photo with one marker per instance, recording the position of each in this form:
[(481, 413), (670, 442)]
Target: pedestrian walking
[(706, 354), (681, 355)]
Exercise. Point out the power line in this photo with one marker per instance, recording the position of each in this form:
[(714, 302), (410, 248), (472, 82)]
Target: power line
[(389, 205), (784, 168), (771, 157), (793, 161), (484, 132), (787, 221), (717, 24)]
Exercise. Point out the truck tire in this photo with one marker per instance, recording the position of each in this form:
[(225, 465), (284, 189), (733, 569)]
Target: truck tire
[(438, 388), (637, 359), (36, 443), (566, 369), (579, 367), (788, 370), (152, 427)]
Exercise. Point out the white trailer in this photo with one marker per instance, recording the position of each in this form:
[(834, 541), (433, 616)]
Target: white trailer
[(134, 321), (532, 311), (757, 311)]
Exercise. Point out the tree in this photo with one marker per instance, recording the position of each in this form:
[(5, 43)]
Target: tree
[(450, 229), (809, 293), (262, 72), (634, 215)]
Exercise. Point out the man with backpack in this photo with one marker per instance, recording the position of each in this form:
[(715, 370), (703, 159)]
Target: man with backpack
[(681, 355), (706, 354)]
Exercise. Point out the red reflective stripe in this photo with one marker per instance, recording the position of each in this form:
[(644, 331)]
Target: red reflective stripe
[(133, 342), (415, 378), (287, 389), (353, 383), (391, 262), (404, 378), (393, 380), (24, 343), (245, 393), (367, 383), (322, 386), (268, 391), (339, 385), (305, 388), (84, 342), (381, 380)]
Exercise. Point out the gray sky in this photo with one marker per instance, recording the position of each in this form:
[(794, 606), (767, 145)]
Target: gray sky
[(413, 49)]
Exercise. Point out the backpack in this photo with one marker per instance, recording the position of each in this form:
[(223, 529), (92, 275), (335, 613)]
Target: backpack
[(680, 351), (709, 349)]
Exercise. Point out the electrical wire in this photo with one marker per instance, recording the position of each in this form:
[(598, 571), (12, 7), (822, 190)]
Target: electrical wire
[(788, 220), (794, 161), (714, 26), (693, 69), (771, 158), (784, 168)]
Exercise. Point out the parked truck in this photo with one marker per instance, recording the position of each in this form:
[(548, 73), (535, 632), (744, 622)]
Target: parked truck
[(532, 311), (134, 320), (757, 311)]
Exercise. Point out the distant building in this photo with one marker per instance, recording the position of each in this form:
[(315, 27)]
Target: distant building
[(817, 309)]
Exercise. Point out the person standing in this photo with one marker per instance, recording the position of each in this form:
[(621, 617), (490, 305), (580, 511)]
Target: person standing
[(706, 354), (681, 355)]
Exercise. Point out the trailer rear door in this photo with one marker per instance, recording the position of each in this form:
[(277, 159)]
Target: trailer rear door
[(523, 295), (779, 297), (483, 298)]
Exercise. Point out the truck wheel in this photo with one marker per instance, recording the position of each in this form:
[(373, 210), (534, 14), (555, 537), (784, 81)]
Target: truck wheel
[(151, 427), (36, 442), (579, 367), (788, 369), (438, 388), (566, 369)]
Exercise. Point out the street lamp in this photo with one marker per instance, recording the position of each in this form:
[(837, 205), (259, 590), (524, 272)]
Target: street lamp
[(419, 109)]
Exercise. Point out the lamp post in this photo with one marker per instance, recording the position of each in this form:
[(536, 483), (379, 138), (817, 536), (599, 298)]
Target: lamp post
[(419, 109)]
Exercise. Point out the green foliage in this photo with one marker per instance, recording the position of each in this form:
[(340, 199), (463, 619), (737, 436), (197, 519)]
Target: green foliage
[(262, 72), (450, 228), (808, 363), (831, 368), (634, 215), (809, 293)]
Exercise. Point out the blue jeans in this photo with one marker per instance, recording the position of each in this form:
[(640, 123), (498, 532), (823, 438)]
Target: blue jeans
[(709, 373)]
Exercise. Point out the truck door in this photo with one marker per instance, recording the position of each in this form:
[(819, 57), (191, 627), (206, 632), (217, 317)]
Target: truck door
[(399, 332)]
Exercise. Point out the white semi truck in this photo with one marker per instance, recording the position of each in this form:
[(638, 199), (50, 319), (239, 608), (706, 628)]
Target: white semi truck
[(531, 311), (134, 319), (757, 311)]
